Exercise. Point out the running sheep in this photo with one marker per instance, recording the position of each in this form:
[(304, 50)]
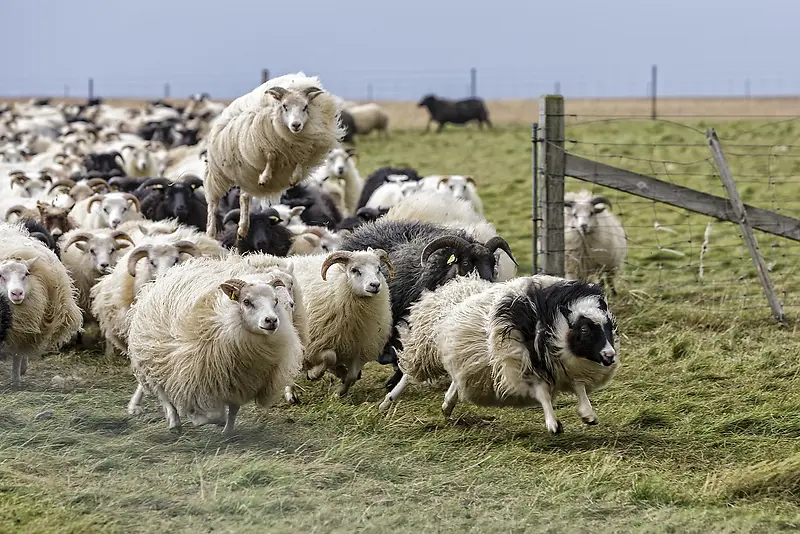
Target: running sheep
[(268, 140), (220, 342), (42, 297), (595, 242)]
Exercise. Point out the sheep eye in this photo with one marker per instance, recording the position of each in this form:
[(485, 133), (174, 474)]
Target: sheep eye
[(152, 263), (305, 108), (92, 252), (177, 261), (105, 210), (285, 108), (247, 302), (355, 271), (276, 302), (124, 210)]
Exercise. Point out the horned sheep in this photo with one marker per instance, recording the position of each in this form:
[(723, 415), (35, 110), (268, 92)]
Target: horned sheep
[(106, 211)]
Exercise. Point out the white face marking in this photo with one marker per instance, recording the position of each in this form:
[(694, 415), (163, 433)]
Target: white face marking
[(364, 274), (14, 279), (259, 305), (294, 111)]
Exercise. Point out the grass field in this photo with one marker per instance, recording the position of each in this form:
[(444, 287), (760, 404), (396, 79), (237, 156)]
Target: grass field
[(707, 392)]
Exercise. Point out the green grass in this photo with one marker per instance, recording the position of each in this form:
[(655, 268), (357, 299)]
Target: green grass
[(707, 392)]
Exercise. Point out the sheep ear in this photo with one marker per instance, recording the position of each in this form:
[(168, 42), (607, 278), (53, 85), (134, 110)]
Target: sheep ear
[(313, 92), (29, 263), (277, 93), (297, 211), (350, 152), (232, 288), (565, 312)]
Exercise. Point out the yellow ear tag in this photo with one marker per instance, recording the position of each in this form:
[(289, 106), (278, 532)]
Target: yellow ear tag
[(233, 296), (451, 260)]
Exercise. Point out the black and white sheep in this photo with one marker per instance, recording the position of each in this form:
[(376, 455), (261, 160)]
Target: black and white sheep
[(454, 111), (380, 177), (266, 234), (320, 208), (164, 199)]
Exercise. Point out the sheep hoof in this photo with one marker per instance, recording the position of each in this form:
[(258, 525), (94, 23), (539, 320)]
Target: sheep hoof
[(558, 429), (590, 420), (135, 410), (383, 406), (447, 411), (176, 429), (227, 432)]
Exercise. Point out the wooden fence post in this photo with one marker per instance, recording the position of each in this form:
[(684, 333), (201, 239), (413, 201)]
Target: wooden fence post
[(747, 230), (264, 75), (551, 180)]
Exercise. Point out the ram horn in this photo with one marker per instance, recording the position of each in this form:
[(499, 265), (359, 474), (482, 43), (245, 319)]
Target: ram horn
[(277, 283), (350, 152), (498, 242), (67, 184), (442, 180), (92, 201), (126, 147), (137, 254), (119, 235), (442, 242), (232, 287), (18, 177), (45, 176), (342, 256), (18, 210), (600, 199), (187, 247), (76, 238), (193, 182), (155, 183), (133, 199), (40, 236), (277, 92), (97, 184), (384, 257), (470, 180), (231, 216)]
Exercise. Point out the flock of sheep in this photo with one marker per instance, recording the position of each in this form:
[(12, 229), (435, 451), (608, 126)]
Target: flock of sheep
[(226, 250)]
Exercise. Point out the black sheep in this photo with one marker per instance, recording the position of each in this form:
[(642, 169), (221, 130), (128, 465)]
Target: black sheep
[(424, 257), (320, 209), (127, 184), (5, 318), (164, 199), (378, 178), (349, 125), (102, 163), (38, 231), (454, 111), (363, 215), (266, 234)]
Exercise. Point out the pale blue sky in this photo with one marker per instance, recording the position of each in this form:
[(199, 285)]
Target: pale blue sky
[(402, 48)]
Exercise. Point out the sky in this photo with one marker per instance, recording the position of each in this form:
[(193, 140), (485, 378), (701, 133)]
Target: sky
[(400, 50)]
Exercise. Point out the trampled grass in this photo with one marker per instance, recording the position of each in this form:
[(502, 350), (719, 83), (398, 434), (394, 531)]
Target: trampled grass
[(706, 393)]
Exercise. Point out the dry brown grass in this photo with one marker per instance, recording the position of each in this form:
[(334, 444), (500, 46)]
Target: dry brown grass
[(406, 115)]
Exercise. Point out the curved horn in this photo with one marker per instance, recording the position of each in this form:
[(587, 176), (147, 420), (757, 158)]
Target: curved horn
[(115, 182), (45, 176), (80, 236), (442, 180), (498, 242), (470, 180), (350, 152), (92, 201), (133, 199), (18, 177), (67, 184), (231, 216), (232, 287), (313, 92), (384, 257), (151, 182), (119, 235), (342, 256), (442, 242), (137, 254), (277, 283), (569, 203), (193, 182), (95, 183), (40, 236), (277, 92), (126, 147), (17, 210), (600, 199), (187, 247)]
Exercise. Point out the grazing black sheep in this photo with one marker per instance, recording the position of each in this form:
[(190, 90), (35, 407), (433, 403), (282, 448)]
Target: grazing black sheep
[(266, 233), (424, 257), (454, 111), (320, 209), (379, 177), (163, 199), (349, 125)]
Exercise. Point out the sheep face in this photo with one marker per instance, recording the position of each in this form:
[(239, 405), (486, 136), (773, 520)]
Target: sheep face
[(257, 303), (293, 110), (289, 216), (25, 186), (456, 186), (14, 279), (103, 248), (591, 328), (336, 161), (160, 258), (580, 211), (362, 269), (114, 207), (55, 219)]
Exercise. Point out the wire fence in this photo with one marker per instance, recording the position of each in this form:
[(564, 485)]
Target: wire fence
[(681, 258)]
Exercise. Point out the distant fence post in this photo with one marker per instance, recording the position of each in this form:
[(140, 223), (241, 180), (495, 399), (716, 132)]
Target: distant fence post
[(551, 180), (66, 91), (557, 88), (653, 92), (91, 88), (264, 75), (535, 194), (473, 82), (166, 90), (744, 223)]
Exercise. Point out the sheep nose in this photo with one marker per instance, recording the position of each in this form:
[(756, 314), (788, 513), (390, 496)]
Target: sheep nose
[(340, 170), (269, 324), (374, 287), (584, 227), (16, 295), (296, 126), (104, 266)]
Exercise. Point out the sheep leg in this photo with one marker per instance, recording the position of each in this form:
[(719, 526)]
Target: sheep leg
[(328, 358), (23, 366), (135, 404), (350, 379), (428, 126), (244, 219), (392, 395), (211, 217), (450, 399), (440, 128), (585, 409), (233, 409), (290, 394), (16, 364), (610, 282), (266, 174), (200, 418), (393, 380), (542, 394), (170, 412)]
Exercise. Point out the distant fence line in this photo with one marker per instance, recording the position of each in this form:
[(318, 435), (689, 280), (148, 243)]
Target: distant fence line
[(494, 84)]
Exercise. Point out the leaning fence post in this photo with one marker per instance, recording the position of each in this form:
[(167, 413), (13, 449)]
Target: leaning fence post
[(535, 194), (747, 230), (551, 180)]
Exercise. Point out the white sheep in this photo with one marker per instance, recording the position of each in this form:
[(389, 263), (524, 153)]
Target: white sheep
[(314, 240), (90, 254), (441, 208), (106, 211), (268, 140), (203, 341), (462, 187), (340, 169), (368, 117), (349, 313), (595, 242), (45, 315), (114, 293), (396, 188)]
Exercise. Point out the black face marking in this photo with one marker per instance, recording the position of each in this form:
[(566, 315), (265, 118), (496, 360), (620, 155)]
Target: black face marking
[(586, 338)]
